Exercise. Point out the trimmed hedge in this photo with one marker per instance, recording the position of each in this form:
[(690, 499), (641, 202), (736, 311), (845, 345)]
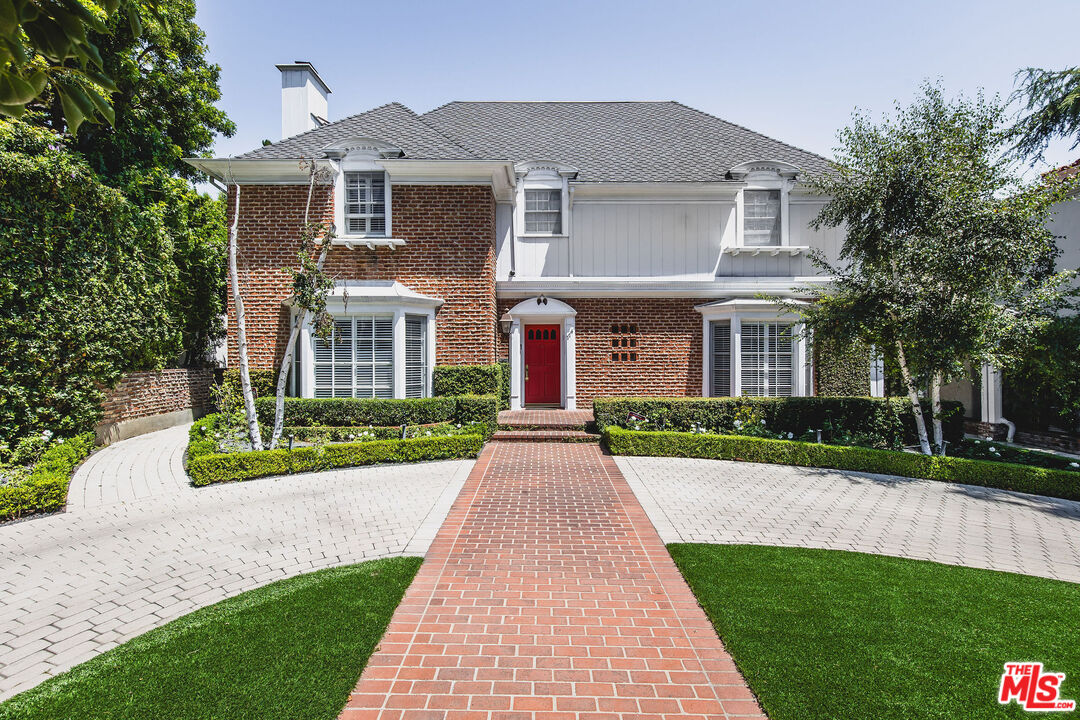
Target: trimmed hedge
[(466, 380), (45, 490), (842, 369), (215, 468), (350, 412), (504, 384), (1004, 476), (889, 418)]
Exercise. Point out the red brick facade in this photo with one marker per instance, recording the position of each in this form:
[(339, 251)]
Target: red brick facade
[(449, 231), (145, 394), (669, 347)]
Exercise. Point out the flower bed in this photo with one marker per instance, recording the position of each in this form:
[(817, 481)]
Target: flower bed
[(42, 487), (1006, 476), (343, 433), (999, 452)]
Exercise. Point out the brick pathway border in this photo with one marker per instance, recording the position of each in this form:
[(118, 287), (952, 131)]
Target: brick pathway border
[(490, 630)]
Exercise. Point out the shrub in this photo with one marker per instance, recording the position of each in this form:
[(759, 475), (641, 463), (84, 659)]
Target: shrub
[(504, 384), (842, 369), (1005, 476), (214, 468), (350, 412), (263, 384), (881, 422), (466, 380), (45, 489), (85, 283)]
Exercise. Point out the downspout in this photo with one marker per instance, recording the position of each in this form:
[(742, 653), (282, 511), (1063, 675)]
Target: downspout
[(513, 221)]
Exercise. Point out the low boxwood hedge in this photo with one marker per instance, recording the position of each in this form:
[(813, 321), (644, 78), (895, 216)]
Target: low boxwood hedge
[(466, 380), (45, 490), (205, 469), (351, 412), (888, 419), (1004, 476)]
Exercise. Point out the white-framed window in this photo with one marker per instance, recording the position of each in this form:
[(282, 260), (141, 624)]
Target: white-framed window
[(416, 353), (543, 211), (761, 217), (720, 377), (751, 350), (365, 204), (358, 360), (767, 358)]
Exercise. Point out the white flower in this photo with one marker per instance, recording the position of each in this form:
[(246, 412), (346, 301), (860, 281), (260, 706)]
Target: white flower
[(790, 436), (993, 449), (763, 421), (738, 423), (46, 434), (989, 438), (977, 442), (1072, 464)]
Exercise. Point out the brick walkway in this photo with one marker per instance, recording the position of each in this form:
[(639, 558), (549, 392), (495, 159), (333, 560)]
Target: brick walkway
[(546, 595)]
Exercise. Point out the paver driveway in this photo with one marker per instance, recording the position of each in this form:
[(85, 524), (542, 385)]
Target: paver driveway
[(139, 546), (548, 595), (718, 501)]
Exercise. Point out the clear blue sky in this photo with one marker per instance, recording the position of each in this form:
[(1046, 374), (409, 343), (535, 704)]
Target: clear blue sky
[(792, 70)]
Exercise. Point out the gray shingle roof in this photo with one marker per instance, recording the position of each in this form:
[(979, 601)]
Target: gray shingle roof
[(614, 141), (606, 141), (393, 123)]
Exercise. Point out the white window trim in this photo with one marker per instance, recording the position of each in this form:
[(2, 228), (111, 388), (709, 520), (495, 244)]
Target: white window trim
[(542, 175), (764, 181), (736, 311), (374, 298)]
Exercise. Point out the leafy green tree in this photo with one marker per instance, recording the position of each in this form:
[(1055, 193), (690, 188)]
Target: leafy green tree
[(48, 44), (195, 224), (85, 280), (1051, 108), (946, 262), (165, 90)]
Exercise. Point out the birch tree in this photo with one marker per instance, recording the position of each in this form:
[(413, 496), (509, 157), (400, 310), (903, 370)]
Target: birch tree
[(241, 330), (946, 263), (310, 285)]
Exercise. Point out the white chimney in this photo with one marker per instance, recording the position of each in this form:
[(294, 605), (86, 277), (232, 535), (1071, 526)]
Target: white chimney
[(303, 98)]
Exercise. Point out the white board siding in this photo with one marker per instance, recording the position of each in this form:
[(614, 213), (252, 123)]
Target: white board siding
[(674, 239), (622, 239)]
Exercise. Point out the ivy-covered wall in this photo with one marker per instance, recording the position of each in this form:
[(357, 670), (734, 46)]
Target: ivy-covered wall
[(842, 369)]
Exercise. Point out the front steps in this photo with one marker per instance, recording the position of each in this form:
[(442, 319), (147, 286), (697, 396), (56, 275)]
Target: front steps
[(546, 435), (543, 425)]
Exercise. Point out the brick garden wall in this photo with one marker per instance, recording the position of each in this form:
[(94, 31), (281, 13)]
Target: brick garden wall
[(669, 351), (145, 394), (449, 253)]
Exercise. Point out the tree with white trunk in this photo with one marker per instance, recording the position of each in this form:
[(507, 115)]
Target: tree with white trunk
[(310, 288), (947, 263)]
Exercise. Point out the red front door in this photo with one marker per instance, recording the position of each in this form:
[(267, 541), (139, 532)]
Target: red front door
[(542, 367)]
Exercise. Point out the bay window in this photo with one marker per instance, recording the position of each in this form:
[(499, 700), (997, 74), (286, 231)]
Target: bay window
[(382, 345), (751, 350)]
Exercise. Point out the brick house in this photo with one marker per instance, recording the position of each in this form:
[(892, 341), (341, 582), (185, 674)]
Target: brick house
[(603, 248)]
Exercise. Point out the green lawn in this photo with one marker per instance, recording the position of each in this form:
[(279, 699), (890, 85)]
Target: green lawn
[(292, 649), (830, 635)]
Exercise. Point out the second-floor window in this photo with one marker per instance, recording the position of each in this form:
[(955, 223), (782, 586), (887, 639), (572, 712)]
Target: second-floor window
[(543, 212), (365, 203), (761, 222)]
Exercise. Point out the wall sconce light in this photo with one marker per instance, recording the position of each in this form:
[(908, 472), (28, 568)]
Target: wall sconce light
[(505, 322), (542, 300)]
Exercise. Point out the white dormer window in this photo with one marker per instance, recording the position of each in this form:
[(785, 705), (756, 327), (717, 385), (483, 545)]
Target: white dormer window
[(542, 199), (762, 203), (543, 212), (761, 217), (365, 204)]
